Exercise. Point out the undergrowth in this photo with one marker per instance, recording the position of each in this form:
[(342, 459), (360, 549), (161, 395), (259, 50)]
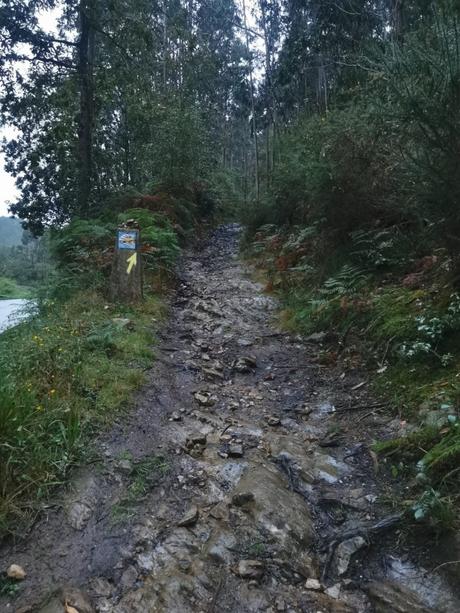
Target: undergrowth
[(406, 323), (64, 373), (72, 365), (10, 289)]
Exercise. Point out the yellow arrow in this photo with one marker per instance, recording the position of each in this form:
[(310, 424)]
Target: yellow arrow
[(132, 261)]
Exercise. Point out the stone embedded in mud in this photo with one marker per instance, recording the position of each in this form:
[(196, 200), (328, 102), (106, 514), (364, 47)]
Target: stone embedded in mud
[(128, 578), (196, 438), (245, 364), (345, 551), (316, 337), (333, 591), (313, 584), (242, 499), (206, 399), (220, 511), (190, 518), (101, 587), (212, 373), (79, 515), (16, 572), (250, 569), (388, 596), (220, 546), (66, 596), (125, 466), (235, 451)]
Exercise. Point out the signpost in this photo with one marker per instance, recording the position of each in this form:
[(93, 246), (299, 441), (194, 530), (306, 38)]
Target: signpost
[(126, 283)]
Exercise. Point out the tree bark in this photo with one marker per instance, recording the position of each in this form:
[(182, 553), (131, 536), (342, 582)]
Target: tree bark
[(397, 19), (253, 109), (86, 116)]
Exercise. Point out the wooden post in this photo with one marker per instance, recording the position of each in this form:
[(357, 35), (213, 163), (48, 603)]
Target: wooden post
[(126, 282)]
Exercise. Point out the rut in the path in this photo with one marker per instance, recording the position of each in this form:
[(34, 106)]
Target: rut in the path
[(230, 483)]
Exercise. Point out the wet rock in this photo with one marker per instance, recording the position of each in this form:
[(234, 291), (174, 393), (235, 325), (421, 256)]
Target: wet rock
[(313, 584), (205, 399), (345, 551), (281, 513), (67, 596), (316, 337), (245, 364), (190, 518), (280, 604), (388, 596), (16, 572), (235, 451), (250, 569), (333, 591), (101, 587), (220, 511), (125, 466), (129, 577), (243, 499), (220, 546), (244, 342), (196, 438), (212, 373), (332, 439), (79, 515)]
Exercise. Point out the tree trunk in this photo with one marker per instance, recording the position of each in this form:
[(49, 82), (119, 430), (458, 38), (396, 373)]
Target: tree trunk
[(85, 127), (253, 109), (397, 19)]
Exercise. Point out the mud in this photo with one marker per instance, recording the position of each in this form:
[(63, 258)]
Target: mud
[(240, 481)]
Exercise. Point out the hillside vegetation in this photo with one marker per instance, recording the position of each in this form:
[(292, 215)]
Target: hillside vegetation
[(357, 223)]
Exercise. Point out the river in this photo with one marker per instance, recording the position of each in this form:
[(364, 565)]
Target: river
[(10, 313)]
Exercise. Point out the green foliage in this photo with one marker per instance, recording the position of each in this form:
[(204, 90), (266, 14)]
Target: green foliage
[(160, 243), (10, 289), (164, 120)]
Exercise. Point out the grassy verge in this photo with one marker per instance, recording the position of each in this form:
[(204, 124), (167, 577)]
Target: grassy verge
[(63, 374), (9, 289)]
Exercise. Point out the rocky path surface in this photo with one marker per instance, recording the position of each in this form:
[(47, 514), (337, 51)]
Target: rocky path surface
[(241, 481)]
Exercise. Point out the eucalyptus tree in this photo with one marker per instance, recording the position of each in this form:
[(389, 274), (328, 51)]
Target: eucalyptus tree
[(126, 93)]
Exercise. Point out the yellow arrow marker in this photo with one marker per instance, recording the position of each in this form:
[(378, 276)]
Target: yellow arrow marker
[(132, 261)]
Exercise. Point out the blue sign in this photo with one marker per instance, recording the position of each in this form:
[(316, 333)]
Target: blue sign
[(127, 239)]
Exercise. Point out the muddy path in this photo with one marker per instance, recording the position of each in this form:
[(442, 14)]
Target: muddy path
[(240, 481)]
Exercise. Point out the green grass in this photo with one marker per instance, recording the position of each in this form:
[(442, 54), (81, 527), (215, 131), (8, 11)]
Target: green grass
[(9, 289), (63, 375)]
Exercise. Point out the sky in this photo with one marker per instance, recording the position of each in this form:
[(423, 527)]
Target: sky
[(8, 191)]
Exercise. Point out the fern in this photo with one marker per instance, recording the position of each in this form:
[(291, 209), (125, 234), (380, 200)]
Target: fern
[(445, 453), (348, 281)]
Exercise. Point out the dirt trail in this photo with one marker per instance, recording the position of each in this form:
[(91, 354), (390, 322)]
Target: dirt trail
[(241, 480)]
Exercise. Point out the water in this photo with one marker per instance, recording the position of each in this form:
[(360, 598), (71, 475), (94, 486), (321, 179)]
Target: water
[(10, 313)]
